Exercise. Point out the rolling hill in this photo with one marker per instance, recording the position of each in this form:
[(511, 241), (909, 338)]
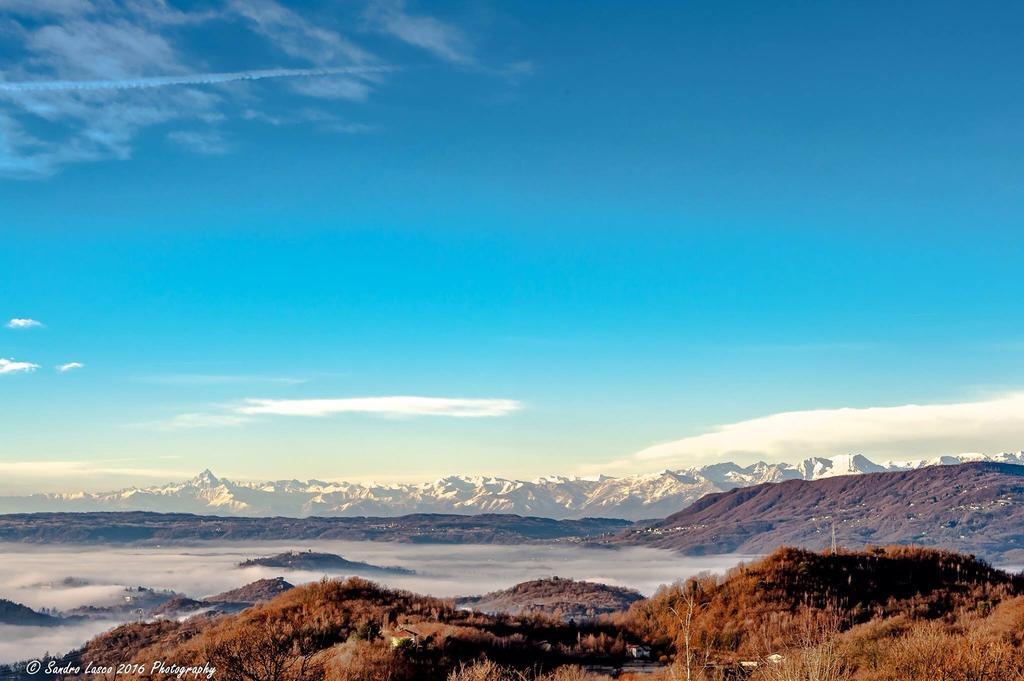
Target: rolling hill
[(564, 598), (327, 562), (254, 592), (21, 615), (170, 528), (888, 614)]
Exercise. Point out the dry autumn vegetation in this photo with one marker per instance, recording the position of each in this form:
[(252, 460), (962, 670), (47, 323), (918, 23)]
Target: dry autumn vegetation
[(886, 614), (353, 629)]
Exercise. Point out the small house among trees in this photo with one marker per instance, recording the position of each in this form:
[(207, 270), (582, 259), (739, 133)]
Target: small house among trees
[(404, 636), (638, 652)]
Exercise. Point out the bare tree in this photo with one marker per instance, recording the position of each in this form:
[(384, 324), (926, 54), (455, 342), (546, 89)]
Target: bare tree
[(691, 601), (265, 650), (816, 655)]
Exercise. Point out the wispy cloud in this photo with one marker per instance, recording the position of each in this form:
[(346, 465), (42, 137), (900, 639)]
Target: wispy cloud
[(9, 366), (911, 430), (296, 35), (70, 366), (80, 81), (202, 420), (334, 88), (23, 323), (428, 33), (218, 379), (90, 468), (383, 406), (210, 143), (401, 406), (64, 98), (311, 117), (302, 38), (187, 79)]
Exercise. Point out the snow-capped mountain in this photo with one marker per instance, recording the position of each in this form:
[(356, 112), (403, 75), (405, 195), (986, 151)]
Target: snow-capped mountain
[(634, 497)]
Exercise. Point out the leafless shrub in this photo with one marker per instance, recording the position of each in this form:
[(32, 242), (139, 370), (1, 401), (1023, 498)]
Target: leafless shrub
[(486, 670), (357, 660)]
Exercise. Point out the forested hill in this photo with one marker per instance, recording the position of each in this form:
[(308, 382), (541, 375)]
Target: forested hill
[(168, 528)]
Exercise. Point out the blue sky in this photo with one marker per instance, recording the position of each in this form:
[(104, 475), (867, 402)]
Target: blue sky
[(578, 230)]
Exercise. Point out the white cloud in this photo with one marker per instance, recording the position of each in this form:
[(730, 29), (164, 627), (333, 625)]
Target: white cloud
[(297, 36), (427, 33), (70, 366), (394, 407), (81, 80), (352, 89), (994, 424), (35, 8), (95, 468), (210, 143), (389, 406), (64, 82), (218, 379), (84, 79), (114, 48), (9, 366), (202, 420), (384, 406), (23, 323)]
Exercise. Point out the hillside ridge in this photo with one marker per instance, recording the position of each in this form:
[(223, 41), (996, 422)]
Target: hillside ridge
[(976, 508)]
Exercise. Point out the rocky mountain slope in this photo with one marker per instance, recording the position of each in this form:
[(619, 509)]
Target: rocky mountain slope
[(632, 497), (976, 508)]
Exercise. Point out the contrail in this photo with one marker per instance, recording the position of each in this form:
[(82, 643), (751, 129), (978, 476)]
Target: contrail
[(189, 79)]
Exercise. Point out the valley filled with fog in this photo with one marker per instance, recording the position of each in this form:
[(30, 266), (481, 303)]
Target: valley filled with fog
[(37, 576)]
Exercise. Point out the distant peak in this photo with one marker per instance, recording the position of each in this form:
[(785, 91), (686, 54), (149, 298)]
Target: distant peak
[(206, 478)]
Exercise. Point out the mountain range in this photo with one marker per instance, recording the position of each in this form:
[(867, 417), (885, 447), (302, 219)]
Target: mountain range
[(636, 497)]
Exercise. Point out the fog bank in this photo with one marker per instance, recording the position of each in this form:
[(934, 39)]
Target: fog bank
[(34, 575)]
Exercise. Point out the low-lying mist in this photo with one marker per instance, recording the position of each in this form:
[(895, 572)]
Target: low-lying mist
[(34, 575)]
